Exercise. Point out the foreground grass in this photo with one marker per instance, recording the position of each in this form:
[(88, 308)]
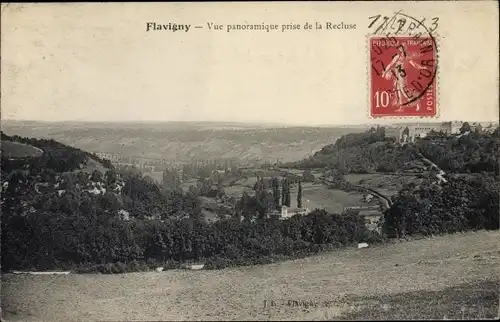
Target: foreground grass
[(416, 279), (467, 301)]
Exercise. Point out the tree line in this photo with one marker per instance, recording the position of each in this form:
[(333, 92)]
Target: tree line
[(461, 204), (88, 236), (472, 152)]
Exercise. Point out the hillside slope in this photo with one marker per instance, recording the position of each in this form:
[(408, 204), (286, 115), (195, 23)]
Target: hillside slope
[(186, 141), (372, 151), (66, 191), (341, 279), (19, 150)]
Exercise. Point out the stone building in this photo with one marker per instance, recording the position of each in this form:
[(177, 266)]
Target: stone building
[(421, 130), (373, 219), (287, 213), (397, 133)]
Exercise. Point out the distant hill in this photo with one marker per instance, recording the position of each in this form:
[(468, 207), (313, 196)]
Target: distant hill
[(372, 151), (365, 152), (47, 154), (186, 141), (47, 175)]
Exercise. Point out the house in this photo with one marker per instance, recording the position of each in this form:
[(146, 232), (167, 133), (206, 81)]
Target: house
[(287, 213), (451, 127), (421, 130), (372, 219), (367, 197), (395, 132)]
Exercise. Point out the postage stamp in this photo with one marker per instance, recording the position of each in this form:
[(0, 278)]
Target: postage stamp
[(402, 70)]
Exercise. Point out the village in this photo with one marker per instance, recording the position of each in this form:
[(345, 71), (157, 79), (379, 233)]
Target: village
[(367, 201)]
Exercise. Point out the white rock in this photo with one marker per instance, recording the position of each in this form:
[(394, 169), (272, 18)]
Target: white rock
[(362, 245), (196, 267), (42, 273)]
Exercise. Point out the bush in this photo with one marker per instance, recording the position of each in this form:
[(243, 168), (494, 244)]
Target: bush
[(135, 266), (307, 176), (170, 264), (459, 205)]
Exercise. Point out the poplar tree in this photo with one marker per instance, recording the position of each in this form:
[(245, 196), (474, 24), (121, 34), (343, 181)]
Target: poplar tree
[(287, 195), (299, 196), (283, 191), (276, 193)]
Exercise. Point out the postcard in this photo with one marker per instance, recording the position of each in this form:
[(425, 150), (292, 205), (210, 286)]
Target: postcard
[(250, 160)]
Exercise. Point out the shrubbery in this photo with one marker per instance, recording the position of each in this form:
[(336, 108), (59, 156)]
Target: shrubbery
[(473, 152), (461, 204), (371, 152), (100, 243), (360, 153)]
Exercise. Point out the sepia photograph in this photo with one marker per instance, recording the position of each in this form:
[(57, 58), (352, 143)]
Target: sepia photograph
[(265, 161)]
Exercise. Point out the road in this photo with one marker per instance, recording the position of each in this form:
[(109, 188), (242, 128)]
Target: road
[(386, 200), (440, 174)]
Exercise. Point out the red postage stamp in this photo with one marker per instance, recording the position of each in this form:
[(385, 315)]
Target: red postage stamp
[(402, 76)]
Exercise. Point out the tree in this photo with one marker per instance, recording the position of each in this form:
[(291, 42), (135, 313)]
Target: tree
[(341, 165), (276, 193), (265, 203), (299, 196), (68, 180), (96, 176), (110, 176), (307, 176), (287, 199), (259, 185), (247, 206), (171, 179), (283, 191), (465, 128)]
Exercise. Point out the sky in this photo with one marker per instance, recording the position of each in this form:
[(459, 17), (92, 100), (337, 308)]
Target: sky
[(96, 62)]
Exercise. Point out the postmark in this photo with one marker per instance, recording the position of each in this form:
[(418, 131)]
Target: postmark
[(403, 65)]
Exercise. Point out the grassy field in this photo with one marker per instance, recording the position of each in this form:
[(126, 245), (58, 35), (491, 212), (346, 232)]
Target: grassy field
[(477, 300), (313, 196), (387, 184), (412, 279), (236, 191), (321, 197)]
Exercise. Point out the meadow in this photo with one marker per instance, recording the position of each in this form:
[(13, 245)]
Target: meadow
[(427, 278)]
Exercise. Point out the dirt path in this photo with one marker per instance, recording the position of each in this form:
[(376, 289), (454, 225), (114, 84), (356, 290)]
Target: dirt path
[(428, 264), (440, 174), (386, 200)]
